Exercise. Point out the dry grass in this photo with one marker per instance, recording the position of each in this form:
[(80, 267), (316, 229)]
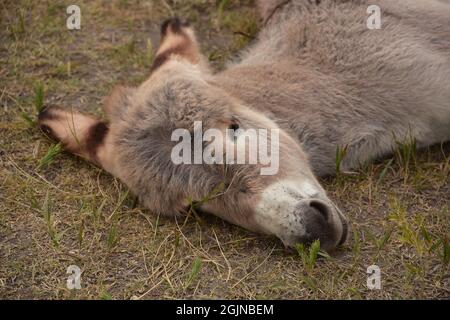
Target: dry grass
[(56, 210)]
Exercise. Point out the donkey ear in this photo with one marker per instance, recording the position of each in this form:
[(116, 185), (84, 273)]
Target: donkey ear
[(116, 103), (177, 41), (79, 134)]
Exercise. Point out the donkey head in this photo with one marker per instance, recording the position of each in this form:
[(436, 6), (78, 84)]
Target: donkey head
[(135, 144)]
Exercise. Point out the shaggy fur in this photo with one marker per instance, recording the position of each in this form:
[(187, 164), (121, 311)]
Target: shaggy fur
[(317, 73), (350, 86)]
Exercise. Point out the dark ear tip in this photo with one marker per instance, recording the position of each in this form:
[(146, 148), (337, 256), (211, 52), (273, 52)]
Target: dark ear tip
[(44, 114), (164, 26), (48, 131), (48, 113), (175, 23), (45, 129)]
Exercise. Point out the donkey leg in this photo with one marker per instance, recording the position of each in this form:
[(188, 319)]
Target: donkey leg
[(80, 134)]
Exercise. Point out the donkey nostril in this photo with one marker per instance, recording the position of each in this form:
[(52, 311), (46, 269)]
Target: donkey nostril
[(320, 207)]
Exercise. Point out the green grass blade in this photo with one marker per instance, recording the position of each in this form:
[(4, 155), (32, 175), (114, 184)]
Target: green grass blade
[(53, 151)]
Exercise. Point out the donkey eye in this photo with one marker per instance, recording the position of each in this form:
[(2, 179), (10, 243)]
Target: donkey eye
[(234, 126)]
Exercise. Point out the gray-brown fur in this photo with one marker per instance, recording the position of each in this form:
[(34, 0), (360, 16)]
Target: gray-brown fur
[(315, 71), (353, 86)]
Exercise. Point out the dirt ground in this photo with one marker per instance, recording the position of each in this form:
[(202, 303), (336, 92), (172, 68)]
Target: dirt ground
[(57, 210)]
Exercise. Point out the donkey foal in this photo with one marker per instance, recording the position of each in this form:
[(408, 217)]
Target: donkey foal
[(316, 73)]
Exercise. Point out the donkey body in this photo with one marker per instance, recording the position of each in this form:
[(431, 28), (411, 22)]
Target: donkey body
[(316, 72), (330, 81)]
